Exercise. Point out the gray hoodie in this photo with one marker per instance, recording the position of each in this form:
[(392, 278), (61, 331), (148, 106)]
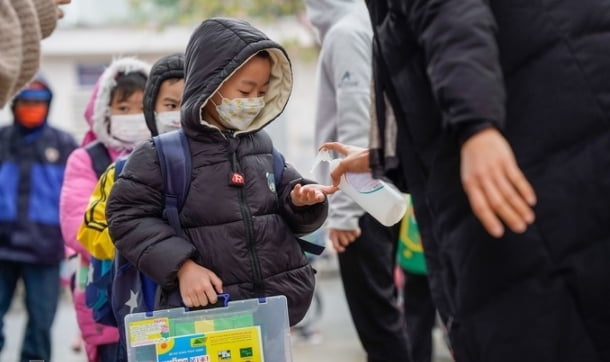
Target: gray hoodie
[(344, 76)]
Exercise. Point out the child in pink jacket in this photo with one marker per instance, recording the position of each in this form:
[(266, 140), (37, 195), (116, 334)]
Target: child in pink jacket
[(116, 125)]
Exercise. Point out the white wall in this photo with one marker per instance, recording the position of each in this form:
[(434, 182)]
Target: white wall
[(94, 12)]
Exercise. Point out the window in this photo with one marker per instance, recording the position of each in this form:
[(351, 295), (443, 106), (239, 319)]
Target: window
[(88, 74)]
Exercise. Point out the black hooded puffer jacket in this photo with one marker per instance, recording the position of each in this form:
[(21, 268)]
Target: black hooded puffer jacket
[(246, 235), (168, 67)]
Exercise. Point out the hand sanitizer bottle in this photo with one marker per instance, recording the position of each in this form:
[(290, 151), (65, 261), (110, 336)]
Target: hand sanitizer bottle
[(379, 198)]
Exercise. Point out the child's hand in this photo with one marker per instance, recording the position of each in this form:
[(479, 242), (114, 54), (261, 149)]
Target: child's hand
[(198, 285), (310, 194)]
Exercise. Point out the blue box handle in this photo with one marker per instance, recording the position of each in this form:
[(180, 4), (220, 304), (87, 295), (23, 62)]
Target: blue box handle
[(223, 301)]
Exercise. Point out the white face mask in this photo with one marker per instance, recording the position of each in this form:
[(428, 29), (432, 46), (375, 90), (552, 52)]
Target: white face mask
[(130, 129), (238, 113), (167, 121)]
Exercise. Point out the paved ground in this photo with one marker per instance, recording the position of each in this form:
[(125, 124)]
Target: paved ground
[(338, 341)]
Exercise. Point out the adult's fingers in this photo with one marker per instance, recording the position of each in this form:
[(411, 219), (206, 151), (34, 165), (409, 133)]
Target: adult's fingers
[(335, 146), (336, 244), (520, 201), (345, 239), (501, 199), (335, 239), (337, 172), (482, 210), (525, 189)]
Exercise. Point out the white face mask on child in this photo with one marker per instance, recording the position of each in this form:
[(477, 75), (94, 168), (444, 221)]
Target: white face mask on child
[(167, 121), (238, 113), (130, 129)]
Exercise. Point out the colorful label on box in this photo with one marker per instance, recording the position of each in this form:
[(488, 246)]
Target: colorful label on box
[(148, 331), (234, 345)]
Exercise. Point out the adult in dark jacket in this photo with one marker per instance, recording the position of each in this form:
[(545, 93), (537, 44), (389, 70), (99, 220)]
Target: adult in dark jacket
[(490, 98), (32, 160), (241, 229)]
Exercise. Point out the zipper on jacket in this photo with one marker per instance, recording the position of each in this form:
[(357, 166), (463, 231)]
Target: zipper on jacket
[(259, 285)]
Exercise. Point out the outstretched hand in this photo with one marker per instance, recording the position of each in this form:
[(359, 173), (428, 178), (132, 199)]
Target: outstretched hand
[(496, 188), (356, 159), (303, 195)]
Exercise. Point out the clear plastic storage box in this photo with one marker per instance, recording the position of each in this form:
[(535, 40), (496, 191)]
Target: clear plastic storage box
[(249, 330)]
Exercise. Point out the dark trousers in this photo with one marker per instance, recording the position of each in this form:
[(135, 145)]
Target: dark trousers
[(42, 288), (366, 268), (420, 316)]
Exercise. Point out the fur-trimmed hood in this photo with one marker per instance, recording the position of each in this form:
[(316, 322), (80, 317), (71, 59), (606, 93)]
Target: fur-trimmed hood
[(96, 112)]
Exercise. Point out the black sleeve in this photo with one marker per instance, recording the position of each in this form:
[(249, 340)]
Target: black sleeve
[(134, 212), (458, 38)]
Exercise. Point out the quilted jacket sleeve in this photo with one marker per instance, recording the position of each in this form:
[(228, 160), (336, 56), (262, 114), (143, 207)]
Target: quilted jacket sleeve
[(459, 41)]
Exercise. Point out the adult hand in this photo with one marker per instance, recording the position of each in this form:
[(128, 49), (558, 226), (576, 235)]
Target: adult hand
[(356, 159), (198, 285), (60, 13), (342, 238), (496, 188), (303, 195)]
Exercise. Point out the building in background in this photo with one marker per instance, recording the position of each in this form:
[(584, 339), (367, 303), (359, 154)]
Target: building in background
[(93, 32)]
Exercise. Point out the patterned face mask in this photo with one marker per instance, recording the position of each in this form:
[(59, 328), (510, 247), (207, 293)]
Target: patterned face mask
[(238, 113)]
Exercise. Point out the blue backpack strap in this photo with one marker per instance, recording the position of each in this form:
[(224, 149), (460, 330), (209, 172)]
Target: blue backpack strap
[(311, 248), (175, 163), (118, 166), (278, 171)]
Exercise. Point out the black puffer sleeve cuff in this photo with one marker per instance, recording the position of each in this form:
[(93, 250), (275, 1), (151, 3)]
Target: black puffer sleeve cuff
[(467, 130)]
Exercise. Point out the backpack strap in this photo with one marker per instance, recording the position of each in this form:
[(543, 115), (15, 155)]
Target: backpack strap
[(118, 166), (175, 163), (311, 248), (100, 159), (278, 171)]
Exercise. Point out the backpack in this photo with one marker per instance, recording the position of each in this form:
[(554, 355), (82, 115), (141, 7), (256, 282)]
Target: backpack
[(100, 270)]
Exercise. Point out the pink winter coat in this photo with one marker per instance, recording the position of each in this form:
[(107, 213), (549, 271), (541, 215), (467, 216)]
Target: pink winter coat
[(79, 182)]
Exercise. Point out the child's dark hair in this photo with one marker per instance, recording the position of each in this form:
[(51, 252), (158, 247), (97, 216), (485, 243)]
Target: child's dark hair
[(172, 80), (263, 54), (128, 84)]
